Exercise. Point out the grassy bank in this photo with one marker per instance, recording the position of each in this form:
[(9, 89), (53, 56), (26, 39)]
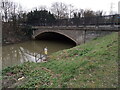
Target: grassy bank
[(90, 65)]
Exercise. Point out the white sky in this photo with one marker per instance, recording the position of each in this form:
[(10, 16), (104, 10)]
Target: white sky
[(83, 4)]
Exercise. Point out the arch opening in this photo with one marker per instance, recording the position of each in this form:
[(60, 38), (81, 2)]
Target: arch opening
[(53, 36)]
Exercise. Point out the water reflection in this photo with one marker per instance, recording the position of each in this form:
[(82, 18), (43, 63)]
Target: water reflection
[(12, 55)]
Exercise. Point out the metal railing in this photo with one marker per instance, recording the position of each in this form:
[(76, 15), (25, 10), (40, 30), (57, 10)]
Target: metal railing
[(111, 20)]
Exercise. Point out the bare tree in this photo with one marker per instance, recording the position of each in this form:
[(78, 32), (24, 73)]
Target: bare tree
[(99, 13), (9, 10), (81, 11), (88, 13), (60, 10), (71, 10), (5, 6)]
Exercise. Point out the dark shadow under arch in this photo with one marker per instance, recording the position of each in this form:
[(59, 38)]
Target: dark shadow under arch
[(55, 36)]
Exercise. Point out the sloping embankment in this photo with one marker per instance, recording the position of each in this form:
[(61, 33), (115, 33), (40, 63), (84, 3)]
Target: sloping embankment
[(90, 65)]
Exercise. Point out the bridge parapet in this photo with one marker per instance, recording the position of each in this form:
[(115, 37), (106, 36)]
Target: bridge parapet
[(89, 28)]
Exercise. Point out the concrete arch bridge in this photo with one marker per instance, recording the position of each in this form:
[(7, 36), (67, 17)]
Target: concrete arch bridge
[(77, 34)]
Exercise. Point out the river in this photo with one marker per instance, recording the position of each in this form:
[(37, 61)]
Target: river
[(11, 54)]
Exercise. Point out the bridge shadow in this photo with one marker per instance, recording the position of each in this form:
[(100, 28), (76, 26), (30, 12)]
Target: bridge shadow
[(52, 36)]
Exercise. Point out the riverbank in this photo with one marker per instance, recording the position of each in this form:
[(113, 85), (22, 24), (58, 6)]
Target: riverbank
[(12, 34), (90, 65), (15, 41)]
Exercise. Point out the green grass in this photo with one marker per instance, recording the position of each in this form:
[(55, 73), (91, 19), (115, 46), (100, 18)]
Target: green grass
[(90, 65)]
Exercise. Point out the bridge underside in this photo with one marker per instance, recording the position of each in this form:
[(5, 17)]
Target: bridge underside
[(54, 36)]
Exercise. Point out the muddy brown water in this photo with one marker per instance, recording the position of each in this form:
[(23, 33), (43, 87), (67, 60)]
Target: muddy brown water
[(11, 54)]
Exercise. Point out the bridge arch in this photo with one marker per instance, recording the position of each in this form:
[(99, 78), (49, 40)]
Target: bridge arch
[(47, 34)]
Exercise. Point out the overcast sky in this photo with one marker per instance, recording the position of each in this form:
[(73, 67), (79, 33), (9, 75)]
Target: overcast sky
[(83, 4)]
